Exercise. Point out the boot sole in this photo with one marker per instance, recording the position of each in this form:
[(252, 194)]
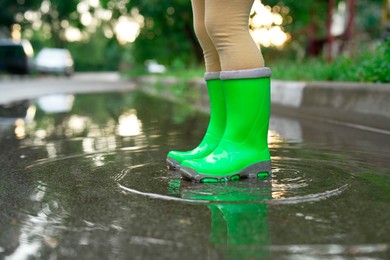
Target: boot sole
[(259, 170), (173, 164)]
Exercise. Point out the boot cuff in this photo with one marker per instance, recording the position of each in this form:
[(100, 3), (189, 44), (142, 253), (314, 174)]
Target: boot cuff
[(246, 74), (212, 75)]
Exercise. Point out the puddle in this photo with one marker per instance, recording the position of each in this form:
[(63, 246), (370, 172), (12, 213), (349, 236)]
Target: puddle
[(82, 181), (294, 180)]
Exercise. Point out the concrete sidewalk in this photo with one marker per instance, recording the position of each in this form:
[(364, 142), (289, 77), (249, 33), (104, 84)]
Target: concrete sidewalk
[(15, 88), (363, 105), (360, 105)]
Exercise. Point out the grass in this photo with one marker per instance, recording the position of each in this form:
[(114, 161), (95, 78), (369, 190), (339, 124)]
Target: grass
[(365, 66)]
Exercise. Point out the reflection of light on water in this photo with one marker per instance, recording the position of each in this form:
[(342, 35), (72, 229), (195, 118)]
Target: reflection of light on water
[(98, 160), (57, 103), (20, 130), (51, 150), (129, 124), (279, 190), (39, 192), (330, 251), (105, 143), (88, 145), (20, 123), (285, 129), (77, 124), (41, 134), (92, 145), (274, 139), (37, 230), (30, 114)]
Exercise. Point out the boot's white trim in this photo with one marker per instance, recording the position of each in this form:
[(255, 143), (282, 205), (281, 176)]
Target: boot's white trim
[(246, 74), (212, 75)]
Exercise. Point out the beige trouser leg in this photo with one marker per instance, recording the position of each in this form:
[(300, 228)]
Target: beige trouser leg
[(210, 53), (227, 25)]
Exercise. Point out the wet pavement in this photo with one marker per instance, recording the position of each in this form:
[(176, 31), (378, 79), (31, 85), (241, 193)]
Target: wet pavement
[(84, 177)]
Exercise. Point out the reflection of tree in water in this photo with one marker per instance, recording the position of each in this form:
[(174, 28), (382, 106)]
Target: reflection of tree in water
[(93, 110), (97, 116), (58, 196), (66, 185)]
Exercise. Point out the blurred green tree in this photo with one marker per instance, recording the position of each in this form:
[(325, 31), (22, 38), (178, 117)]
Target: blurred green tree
[(310, 26), (10, 9), (58, 12), (167, 35)]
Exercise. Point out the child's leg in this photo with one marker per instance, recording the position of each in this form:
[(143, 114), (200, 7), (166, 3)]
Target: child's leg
[(227, 25), (210, 53), (243, 149), (217, 122)]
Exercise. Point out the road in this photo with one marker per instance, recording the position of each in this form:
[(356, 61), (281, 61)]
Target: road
[(91, 182), (19, 88)]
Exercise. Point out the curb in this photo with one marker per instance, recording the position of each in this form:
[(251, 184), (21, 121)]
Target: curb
[(361, 105)]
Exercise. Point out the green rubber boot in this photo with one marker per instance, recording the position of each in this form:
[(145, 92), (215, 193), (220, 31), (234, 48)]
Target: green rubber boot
[(243, 149), (215, 128)]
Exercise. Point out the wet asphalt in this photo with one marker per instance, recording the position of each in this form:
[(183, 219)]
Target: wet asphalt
[(83, 176)]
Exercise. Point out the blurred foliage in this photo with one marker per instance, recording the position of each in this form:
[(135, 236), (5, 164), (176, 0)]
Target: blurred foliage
[(59, 11), (369, 64), (168, 25), (167, 34), (308, 24), (11, 7), (96, 54), (366, 66), (305, 12), (374, 66)]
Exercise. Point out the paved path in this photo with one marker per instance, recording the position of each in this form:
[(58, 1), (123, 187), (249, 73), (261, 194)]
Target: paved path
[(19, 88)]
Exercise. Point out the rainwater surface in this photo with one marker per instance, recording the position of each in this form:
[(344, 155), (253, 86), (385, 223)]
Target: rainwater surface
[(84, 177)]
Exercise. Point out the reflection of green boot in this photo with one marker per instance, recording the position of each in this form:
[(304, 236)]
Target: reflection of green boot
[(239, 216), (243, 149), (215, 128), (245, 227)]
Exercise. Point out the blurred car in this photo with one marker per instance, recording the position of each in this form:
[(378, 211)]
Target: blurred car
[(54, 60), (16, 57)]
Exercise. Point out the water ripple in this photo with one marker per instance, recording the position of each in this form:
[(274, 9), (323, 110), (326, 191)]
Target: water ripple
[(293, 181), (311, 197), (330, 250)]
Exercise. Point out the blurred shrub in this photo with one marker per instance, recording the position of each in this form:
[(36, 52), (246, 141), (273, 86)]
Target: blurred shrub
[(375, 67), (366, 66), (306, 70)]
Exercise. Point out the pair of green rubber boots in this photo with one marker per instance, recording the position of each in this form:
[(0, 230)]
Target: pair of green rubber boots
[(235, 144)]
